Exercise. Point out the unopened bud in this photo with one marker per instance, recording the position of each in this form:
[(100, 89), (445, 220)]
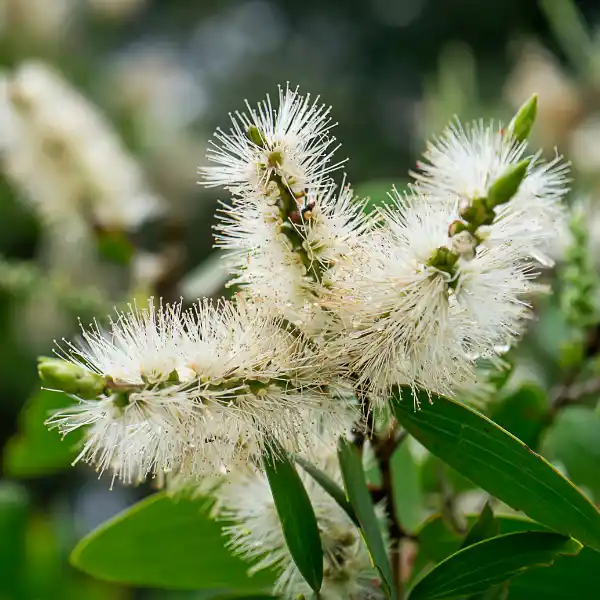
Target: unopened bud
[(477, 213), (521, 124), (275, 158), (70, 378), (507, 185), (255, 136), (457, 227), (443, 259)]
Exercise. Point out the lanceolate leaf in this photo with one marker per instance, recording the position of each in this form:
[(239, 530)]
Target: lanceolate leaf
[(296, 514), (501, 464), (168, 543), (35, 451), (330, 486), (491, 562), (568, 577), (360, 498), (485, 527)]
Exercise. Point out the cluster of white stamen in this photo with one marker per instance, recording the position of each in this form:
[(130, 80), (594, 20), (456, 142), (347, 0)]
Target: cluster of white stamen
[(199, 391), (255, 533)]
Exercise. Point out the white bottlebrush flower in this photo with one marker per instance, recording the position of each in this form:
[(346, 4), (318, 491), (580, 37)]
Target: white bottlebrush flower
[(65, 158), (198, 392), (407, 320), (286, 261), (464, 162), (291, 143), (255, 533)]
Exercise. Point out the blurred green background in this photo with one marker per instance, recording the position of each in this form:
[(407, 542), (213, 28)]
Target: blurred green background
[(165, 73)]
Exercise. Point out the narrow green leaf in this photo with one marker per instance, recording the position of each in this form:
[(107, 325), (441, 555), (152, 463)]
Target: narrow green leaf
[(491, 562), (485, 527), (169, 543), (356, 487), (35, 451), (501, 464), (408, 495), (330, 486), (296, 514), (498, 592), (569, 576)]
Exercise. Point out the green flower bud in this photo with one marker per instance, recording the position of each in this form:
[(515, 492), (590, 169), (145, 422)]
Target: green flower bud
[(507, 185), (457, 227), (443, 259), (255, 136), (522, 122), (70, 378)]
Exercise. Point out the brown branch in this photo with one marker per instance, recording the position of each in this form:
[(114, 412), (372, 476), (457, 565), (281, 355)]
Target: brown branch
[(569, 391), (384, 450)]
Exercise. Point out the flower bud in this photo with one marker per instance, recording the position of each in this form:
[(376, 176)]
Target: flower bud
[(507, 185), (255, 136), (522, 122), (70, 378), (443, 259)]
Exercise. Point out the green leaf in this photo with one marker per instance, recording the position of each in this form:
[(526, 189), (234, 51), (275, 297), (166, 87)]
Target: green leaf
[(166, 542), (408, 496), (13, 524), (35, 451), (523, 413), (485, 564), (296, 514), (574, 441), (330, 486), (501, 464), (568, 577), (485, 527), (356, 487)]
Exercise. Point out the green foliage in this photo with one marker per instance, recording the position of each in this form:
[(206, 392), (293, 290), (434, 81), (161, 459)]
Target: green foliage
[(490, 562), (568, 577), (501, 464), (330, 486), (573, 441), (14, 505), (485, 527), (377, 192), (168, 543), (35, 451), (296, 514), (115, 246), (523, 412), (408, 496), (356, 487)]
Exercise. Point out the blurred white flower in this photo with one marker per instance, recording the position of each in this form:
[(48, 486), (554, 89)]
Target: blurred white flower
[(65, 158), (290, 145), (198, 392), (464, 162), (255, 533)]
